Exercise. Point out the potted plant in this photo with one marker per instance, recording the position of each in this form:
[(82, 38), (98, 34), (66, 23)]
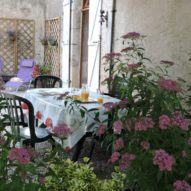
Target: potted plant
[(44, 41), (12, 35), (52, 41), (149, 131)]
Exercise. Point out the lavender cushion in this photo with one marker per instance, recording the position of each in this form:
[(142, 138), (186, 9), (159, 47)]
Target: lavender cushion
[(27, 63)]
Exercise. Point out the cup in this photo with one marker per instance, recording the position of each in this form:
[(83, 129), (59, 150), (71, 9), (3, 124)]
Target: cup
[(99, 98), (84, 94)]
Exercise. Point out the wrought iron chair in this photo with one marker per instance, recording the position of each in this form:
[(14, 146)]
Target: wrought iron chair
[(47, 81), (22, 120)]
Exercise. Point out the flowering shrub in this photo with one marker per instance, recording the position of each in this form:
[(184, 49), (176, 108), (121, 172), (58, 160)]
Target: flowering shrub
[(24, 169), (149, 132), (40, 70)]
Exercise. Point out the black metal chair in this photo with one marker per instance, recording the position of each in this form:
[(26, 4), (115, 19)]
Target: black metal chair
[(47, 81), (22, 121)]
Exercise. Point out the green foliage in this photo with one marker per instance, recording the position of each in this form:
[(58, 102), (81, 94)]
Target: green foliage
[(151, 95), (73, 176), (47, 171)]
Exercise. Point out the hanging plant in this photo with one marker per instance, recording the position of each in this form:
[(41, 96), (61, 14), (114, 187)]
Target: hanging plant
[(44, 41), (52, 41), (12, 35)]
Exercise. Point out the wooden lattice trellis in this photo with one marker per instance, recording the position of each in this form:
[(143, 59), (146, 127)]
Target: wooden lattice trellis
[(23, 46), (52, 53)]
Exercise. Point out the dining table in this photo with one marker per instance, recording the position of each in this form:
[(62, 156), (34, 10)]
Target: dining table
[(54, 104)]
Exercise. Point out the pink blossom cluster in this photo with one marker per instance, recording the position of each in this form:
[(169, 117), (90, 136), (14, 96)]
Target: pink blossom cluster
[(145, 145), (127, 49), (62, 130), (117, 127), (178, 120), (118, 144), (115, 157), (125, 160), (167, 62), (36, 71), (164, 121), (131, 35), (189, 141), (181, 185), (2, 140), (169, 85), (101, 130), (132, 66), (112, 55), (144, 124), (163, 160), (22, 155), (109, 105)]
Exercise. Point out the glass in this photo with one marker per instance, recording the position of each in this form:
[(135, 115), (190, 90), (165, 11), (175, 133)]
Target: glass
[(99, 98), (84, 93)]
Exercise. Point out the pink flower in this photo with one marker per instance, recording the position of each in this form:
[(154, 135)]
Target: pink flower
[(38, 115), (181, 185), (189, 141), (125, 160), (123, 103), (110, 56), (117, 127), (164, 121), (127, 49), (163, 160), (109, 105), (169, 85), (184, 154), (61, 130), (21, 155), (2, 140), (133, 66), (41, 180), (48, 122), (131, 35), (167, 62), (115, 157), (145, 145), (178, 120), (119, 144), (144, 124), (101, 130)]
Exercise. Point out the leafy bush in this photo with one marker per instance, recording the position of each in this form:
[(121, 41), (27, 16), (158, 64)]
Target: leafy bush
[(149, 130), (24, 169)]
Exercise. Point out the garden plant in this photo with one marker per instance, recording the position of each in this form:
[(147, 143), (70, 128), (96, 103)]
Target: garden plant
[(149, 131)]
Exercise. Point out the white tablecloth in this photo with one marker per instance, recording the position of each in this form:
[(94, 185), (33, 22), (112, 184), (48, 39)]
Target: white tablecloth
[(46, 102)]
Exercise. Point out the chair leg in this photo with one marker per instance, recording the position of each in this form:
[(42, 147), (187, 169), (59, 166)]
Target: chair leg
[(78, 149), (92, 147)]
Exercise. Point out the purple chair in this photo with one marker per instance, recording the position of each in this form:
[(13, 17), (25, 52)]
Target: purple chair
[(24, 75)]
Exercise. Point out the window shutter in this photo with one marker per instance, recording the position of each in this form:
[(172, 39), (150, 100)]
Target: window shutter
[(94, 43)]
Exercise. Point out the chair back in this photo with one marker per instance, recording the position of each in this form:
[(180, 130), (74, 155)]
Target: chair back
[(47, 81), (21, 113), (25, 69)]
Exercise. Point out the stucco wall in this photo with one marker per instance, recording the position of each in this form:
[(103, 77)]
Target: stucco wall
[(53, 8), (27, 9), (167, 24)]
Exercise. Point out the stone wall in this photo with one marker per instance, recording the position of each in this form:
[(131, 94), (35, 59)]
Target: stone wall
[(167, 25), (27, 9)]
